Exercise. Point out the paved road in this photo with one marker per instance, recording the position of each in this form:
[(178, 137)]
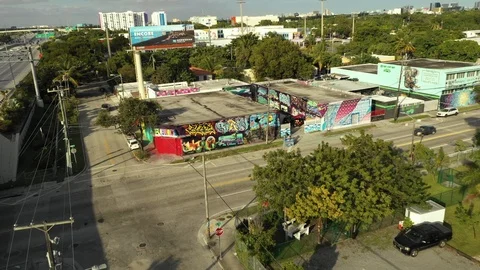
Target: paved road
[(147, 215), (20, 67)]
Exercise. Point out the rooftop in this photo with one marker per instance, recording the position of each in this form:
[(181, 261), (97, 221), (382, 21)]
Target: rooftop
[(217, 84), (345, 85), (433, 63), (366, 68), (314, 93), (433, 206), (403, 100), (203, 107)]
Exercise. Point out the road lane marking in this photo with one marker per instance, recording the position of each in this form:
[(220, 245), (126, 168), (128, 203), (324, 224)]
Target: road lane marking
[(439, 128), (234, 193), (439, 136)]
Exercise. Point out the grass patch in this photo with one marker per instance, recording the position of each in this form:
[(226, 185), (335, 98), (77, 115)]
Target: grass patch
[(141, 154), (408, 119), (349, 130), (463, 238), (435, 187), (469, 108)]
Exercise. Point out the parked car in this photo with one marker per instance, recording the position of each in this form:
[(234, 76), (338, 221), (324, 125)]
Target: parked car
[(133, 144), (447, 112), (425, 130), (422, 236), (107, 107)]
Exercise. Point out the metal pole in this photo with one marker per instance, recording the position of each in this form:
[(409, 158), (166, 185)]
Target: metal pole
[(207, 214), (413, 141), (219, 248), (108, 41), (34, 75), (321, 15), (268, 116), (65, 132), (139, 73), (241, 2), (50, 258), (397, 107), (353, 25)]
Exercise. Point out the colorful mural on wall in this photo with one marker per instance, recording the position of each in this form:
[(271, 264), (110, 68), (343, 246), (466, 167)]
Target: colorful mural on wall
[(228, 132), (176, 92), (285, 130), (316, 110), (458, 99), (345, 113), (243, 90)]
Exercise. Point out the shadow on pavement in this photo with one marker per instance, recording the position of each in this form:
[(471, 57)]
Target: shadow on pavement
[(324, 258)]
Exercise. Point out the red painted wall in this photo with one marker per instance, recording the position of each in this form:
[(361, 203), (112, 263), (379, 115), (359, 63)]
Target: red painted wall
[(166, 145)]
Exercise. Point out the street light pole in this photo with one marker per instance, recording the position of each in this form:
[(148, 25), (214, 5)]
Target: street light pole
[(207, 214), (321, 15), (241, 2)]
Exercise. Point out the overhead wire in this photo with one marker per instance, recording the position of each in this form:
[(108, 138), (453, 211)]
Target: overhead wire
[(23, 205)]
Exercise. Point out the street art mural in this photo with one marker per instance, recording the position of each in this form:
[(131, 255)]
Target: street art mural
[(176, 92), (346, 113), (298, 107), (458, 99), (410, 78), (228, 132), (285, 130), (200, 129), (243, 90), (316, 110), (165, 132)]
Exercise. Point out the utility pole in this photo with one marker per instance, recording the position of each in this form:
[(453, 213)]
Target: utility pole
[(397, 106), (268, 116), (207, 214), (34, 76), (305, 26), (45, 227), (209, 34), (241, 2), (68, 156), (321, 31), (137, 60)]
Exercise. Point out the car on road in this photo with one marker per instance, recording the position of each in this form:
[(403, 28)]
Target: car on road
[(424, 130), (422, 236), (133, 144), (447, 112), (107, 107)]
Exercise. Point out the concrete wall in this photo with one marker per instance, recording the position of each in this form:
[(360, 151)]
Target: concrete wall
[(10, 146)]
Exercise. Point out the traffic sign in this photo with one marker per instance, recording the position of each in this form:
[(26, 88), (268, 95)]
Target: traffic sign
[(219, 224), (74, 150), (219, 231)]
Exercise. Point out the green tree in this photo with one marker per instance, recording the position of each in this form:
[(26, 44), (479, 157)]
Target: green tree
[(468, 216), (277, 58), (319, 203), (243, 49), (259, 240), (135, 114), (429, 159), (476, 137), (128, 73), (463, 50), (364, 59), (209, 58), (105, 119), (68, 68), (163, 74)]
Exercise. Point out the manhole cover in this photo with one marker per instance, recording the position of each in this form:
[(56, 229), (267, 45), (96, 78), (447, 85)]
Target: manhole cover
[(160, 224), (142, 245), (222, 218), (75, 245), (57, 191), (86, 223), (114, 170), (101, 220), (229, 216), (35, 195)]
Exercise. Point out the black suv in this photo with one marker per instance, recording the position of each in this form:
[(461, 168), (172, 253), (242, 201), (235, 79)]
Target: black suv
[(425, 130), (422, 236)]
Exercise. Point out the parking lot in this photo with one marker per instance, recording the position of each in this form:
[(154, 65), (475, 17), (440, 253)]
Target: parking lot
[(375, 251)]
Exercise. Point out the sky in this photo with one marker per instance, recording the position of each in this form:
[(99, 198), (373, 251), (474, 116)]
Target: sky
[(71, 12)]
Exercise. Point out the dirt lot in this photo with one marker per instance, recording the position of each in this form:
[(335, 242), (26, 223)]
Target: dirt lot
[(375, 251)]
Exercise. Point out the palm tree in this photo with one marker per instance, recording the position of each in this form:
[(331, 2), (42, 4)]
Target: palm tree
[(68, 67), (243, 47), (405, 48)]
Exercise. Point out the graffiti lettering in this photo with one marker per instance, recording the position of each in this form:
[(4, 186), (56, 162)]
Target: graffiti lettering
[(176, 92), (164, 132), (201, 129), (230, 140), (238, 124), (284, 98)]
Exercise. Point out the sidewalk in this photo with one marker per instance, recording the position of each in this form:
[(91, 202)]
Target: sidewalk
[(229, 259)]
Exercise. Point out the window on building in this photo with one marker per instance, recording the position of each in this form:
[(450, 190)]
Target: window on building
[(450, 76), (460, 75), (471, 74)]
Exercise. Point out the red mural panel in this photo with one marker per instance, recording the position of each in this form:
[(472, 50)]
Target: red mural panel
[(166, 145), (346, 108)]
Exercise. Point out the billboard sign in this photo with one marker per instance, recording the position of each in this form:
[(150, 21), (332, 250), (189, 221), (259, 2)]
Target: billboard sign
[(162, 37)]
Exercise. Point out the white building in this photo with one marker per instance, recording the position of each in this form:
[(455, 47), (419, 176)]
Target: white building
[(254, 20), (223, 36), (159, 18), (205, 20), (122, 20)]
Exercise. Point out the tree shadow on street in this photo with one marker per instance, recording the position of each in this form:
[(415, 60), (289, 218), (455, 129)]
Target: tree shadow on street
[(168, 264)]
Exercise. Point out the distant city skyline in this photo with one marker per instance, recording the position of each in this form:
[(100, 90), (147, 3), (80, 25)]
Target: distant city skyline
[(69, 12)]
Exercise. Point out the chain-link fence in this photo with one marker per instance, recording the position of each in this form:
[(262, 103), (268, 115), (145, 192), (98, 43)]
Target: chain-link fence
[(450, 197), (448, 177)]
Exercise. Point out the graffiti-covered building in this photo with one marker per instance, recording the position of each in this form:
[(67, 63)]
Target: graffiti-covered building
[(313, 108), (208, 121), (448, 83)]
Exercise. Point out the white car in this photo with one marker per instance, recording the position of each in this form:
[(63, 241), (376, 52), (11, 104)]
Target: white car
[(447, 112), (133, 144)]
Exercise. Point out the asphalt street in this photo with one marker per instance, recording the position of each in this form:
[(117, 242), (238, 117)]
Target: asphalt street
[(146, 215), (20, 66)]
